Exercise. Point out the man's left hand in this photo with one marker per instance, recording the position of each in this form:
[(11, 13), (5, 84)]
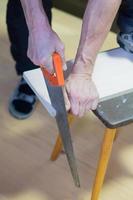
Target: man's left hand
[(82, 93)]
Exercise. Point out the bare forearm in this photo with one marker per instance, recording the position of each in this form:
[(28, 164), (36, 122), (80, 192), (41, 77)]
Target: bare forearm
[(34, 14), (97, 22)]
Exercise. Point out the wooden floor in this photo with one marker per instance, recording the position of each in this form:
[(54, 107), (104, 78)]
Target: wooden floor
[(26, 173)]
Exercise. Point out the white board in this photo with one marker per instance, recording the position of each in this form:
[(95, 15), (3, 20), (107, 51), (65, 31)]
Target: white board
[(35, 80), (113, 73)]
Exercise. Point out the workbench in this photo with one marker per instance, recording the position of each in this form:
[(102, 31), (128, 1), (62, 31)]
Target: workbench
[(113, 76)]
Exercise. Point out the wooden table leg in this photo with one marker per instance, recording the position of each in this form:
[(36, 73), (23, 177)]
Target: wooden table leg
[(58, 145), (103, 162)]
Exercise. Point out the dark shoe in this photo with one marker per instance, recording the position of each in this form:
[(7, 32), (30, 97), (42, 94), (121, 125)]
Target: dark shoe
[(125, 40), (22, 102)]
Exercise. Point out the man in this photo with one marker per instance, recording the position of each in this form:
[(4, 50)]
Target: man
[(98, 18)]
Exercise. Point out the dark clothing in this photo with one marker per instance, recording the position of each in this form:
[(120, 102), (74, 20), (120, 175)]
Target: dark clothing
[(125, 19), (18, 33)]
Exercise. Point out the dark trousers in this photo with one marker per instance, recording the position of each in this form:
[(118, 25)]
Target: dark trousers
[(18, 33), (125, 18)]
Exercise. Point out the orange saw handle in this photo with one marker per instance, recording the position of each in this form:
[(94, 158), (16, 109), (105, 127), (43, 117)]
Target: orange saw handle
[(57, 78)]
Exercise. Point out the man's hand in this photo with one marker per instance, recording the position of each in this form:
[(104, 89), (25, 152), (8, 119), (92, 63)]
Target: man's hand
[(82, 94), (42, 44)]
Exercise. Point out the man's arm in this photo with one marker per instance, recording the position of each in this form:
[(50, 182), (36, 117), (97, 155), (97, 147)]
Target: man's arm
[(43, 41), (34, 14), (97, 21)]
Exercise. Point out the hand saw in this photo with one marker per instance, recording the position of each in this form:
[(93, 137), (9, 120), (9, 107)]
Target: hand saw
[(54, 84)]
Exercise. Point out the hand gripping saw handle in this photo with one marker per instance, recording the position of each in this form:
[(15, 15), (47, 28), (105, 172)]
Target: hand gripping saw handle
[(56, 95)]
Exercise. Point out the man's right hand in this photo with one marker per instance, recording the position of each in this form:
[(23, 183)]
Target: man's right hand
[(42, 43)]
